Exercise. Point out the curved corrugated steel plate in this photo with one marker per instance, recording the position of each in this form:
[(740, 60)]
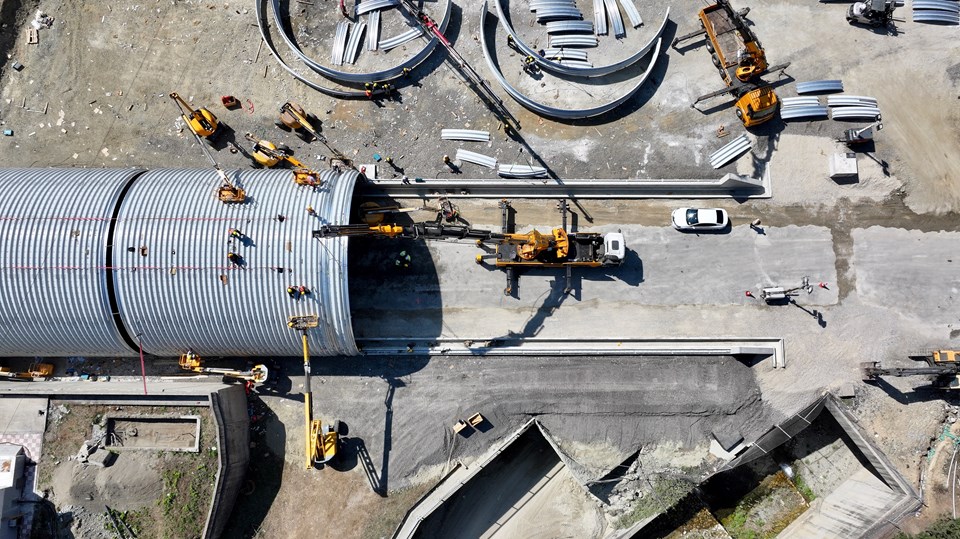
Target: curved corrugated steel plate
[(559, 27), (940, 5), (799, 101), (806, 111), (814, 86), (631, 9), (734, 149), (177, 289), (872, 113), (929, 15), (55, 225), (615, 19)]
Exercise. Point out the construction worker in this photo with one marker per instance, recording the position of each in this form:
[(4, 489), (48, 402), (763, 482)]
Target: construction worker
[(530, 65), (235, 233), (403, 260), (368, 90), (304, 291), (292, 292), (234, 258), (311, 211)]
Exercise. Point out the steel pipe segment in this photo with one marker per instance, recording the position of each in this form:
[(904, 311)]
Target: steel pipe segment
[(847, 113), (356, 78), (465, 134), (565, 54), (561, 69), (615, 19), (806, 111), (632, 12), (815, 86), (353, 44), (370, 5), (340, 42), (798, 101), (398, 40), (731, 151), (940, 5), (540, 4), (521, 171), (558, 12), (599, 15), (850, 100), (570, 27), (476, 158), (554, 112), (930, 15), (573, 41)]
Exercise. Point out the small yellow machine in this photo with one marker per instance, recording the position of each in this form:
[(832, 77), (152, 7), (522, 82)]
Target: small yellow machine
[(322, 441), (36, 371), (192, 362), (201, 121)]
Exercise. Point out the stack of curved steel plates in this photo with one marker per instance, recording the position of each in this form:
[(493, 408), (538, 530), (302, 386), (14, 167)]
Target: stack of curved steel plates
[(558, 12), (794, 108), (942, 11), (373, 30), (820, 86), (844, 100), (856, 113), (731, 151)]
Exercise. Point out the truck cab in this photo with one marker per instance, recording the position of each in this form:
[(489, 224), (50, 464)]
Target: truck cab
[(614, 249), (757, 106)]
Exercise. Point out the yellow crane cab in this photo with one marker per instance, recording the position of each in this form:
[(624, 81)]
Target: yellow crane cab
[(757, 106)]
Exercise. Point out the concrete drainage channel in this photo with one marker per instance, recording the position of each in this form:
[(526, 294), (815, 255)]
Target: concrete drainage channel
[(577, 347)]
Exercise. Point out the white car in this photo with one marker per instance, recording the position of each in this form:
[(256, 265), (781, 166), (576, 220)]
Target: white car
[(700, 219)]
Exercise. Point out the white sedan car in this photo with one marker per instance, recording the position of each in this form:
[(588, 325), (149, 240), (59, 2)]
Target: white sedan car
[(700, 219)]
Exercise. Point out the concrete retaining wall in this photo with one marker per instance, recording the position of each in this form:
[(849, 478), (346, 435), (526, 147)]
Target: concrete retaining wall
[(229, 406)]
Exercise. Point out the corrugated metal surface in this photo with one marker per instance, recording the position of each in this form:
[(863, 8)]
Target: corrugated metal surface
[(830, 85), (465, 134), (847, 113), (370, 5), (573, 41), (373, 30), (54, 267), (632, 13), (572, 27), (540, 4), (558, 12), (340, 42), (353, 44), (930, 15), (941, 5), (615, 19), (600, 17), (802, 111), (565, 54), (521, 171), (396, 41), (476, 158), (844, 100), (176, 286), (799, 101), (731, 151)]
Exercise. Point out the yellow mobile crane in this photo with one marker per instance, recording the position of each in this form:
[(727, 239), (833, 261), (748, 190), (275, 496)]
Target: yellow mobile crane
[(739, 57), (192, 362), (321, 441), (559, 249)]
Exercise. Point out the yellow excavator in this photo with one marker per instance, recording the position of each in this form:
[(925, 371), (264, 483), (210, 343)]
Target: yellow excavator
[(267, 154), (36, 371), (192, 362), (322, 441), (201, 121)]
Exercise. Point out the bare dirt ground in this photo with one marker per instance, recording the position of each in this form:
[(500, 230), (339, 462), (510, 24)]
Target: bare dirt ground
[(159, 494)]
